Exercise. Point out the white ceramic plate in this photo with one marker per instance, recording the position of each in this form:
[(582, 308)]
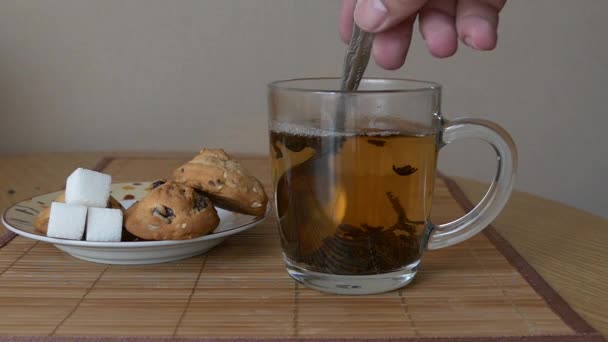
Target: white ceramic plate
[(20, 217)]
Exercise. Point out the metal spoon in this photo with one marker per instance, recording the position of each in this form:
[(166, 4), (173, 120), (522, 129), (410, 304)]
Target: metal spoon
[(318, 225), (356, 59), (355, 63)]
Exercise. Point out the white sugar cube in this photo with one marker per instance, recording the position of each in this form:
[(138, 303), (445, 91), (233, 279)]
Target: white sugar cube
[(104, 224), (88, 188), (67, 221)]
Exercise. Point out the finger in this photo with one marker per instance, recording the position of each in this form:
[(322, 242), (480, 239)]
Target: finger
[(476, 22), (346, 19), (390, 47), (381, 15), (438, 27)]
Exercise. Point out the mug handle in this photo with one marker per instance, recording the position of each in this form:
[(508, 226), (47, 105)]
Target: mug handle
[(493, 202)]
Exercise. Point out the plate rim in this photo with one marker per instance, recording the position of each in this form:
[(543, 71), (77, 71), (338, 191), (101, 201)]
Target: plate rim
[(130, 244)]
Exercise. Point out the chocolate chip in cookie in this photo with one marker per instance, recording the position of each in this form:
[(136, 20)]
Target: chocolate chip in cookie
[(165, 212), (200, 203), (157, 183)]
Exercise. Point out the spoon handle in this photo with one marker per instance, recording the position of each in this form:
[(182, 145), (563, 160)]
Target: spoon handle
[(356, 59), (355, 62)]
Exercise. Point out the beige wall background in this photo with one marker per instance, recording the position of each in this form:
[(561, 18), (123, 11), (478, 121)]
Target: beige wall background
[(181, 74)]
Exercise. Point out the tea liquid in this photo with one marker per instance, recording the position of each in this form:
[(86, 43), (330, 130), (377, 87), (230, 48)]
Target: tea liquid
[(352, 204)]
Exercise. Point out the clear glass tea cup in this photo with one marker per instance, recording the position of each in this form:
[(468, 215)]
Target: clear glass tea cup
[(354, 172)]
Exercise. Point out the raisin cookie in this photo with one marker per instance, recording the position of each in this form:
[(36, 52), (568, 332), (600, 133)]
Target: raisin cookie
[(41, 223), (171, 211), (225, 181)]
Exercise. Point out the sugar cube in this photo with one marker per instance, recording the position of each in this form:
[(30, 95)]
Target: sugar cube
[(88, 188), (67, 221), (104, 224)]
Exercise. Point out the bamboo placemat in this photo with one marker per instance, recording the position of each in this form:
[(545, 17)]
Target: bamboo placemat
[(478, 290)]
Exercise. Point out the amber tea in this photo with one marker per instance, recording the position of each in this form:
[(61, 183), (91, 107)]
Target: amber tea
[(352, 204)]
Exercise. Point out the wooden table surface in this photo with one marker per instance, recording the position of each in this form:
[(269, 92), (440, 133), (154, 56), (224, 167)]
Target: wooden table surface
[(565, 245)]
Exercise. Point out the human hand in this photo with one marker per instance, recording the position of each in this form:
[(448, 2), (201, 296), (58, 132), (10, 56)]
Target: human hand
[(442, 22)]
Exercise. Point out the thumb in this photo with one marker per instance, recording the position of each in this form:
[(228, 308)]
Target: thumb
[(380, 15)]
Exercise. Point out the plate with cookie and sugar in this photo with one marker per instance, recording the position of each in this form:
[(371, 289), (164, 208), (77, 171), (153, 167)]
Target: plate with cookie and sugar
[(207, 200)]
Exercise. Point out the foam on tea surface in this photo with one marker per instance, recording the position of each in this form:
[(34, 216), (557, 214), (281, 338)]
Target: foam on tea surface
[(294, 129)]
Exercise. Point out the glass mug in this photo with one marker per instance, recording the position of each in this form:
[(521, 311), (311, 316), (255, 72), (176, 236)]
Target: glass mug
[(353, 191)]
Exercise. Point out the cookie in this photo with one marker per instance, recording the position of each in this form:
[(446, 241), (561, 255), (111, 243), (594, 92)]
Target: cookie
[(171, 211), (41, 223), (225, 181)]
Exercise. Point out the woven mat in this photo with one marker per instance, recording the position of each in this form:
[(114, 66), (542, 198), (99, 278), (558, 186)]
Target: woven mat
[(478, 290)]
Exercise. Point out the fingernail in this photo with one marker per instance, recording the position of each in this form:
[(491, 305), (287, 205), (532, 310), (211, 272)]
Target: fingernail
[(371, 14), (469, 41)]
